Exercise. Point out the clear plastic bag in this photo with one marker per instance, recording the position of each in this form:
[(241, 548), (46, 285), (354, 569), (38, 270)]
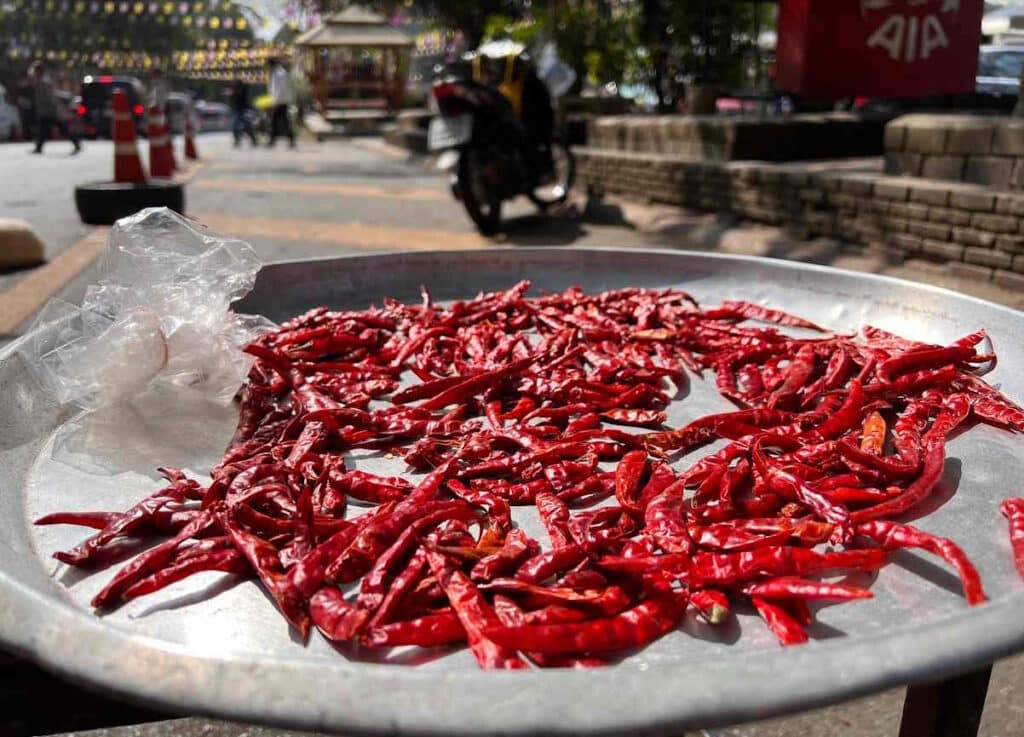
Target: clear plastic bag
[(159, 316), (555, 73)]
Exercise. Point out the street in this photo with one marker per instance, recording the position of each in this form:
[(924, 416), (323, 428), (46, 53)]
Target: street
[(360, 195)]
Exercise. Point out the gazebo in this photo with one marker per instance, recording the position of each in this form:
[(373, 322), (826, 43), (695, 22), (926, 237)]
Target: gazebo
[(356, 60)]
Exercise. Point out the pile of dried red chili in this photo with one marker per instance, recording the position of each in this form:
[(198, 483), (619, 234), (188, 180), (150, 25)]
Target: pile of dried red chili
[(508, 400)]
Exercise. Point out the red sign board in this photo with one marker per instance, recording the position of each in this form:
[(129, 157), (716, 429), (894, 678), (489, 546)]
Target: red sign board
[(878, 48)]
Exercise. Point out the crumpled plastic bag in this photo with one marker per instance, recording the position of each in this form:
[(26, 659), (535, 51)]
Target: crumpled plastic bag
[(558, 76), (159, 316)]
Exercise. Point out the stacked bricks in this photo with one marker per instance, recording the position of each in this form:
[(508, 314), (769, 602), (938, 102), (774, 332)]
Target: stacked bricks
[(973, 229), (722, 138), (968, 148)]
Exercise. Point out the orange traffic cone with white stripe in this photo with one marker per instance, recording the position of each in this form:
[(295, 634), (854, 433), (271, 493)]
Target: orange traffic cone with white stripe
[(190, 145), (161, 160), (127, 163)]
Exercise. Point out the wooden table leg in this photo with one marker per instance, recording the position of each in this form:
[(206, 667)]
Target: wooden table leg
[(950, 708)]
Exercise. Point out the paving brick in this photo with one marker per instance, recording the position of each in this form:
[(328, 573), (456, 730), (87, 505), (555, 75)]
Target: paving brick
[(943, 250), (908, 210), (988, 257), (892, 189), (995, 223), (1017, 178), (972, 137), (893, 224), (903, 163), (1009, 279), (926, 137), (905, 242), (930, 193), (1010, 204), (971, 271), (829, 182), (858, 185), (1018, 263), (1010, 243), (895, 136), (995, 171), (936, 231), (949, 216), (976, 200), (842, 200), (884, 207), (1008, 137), (943, 167), (970, 237)]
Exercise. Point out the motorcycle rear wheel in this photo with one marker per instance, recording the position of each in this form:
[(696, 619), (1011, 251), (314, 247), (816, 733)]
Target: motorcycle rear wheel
[(480, 200)]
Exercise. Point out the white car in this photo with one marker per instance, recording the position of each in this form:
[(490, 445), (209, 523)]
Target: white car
[(10, 118)]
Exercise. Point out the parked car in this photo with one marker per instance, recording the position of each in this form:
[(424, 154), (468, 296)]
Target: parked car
[(213, 116), (999, 68), (10, 118), (996, 87), (97, 105)]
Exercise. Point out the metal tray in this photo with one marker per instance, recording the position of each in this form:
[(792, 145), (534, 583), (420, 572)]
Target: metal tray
[(231, 655)]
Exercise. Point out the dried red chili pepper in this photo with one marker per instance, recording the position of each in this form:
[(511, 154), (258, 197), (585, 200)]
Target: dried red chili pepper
[(1013, 510), (894, 536), (632, 628), (782, 624), (791, 587), (475, 614), (514, 402), (712, 604)]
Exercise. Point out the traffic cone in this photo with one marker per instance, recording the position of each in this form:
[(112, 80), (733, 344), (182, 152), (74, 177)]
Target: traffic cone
[(127, 163), (190, 144), (161, 160)]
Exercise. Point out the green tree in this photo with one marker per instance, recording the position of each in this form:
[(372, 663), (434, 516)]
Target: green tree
[(701, 41), (598, 40)]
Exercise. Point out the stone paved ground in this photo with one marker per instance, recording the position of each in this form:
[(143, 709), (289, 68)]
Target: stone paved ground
[(361, 196)]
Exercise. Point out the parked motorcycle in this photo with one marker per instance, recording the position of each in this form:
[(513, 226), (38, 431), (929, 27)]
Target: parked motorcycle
[(487, 153)]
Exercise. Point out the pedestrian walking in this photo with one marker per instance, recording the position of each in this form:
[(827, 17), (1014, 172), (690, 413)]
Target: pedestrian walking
[(159, 88), (241, 104), (47, 110), (282, 95)]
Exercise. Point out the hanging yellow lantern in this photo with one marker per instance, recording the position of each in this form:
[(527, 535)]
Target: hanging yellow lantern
[(138, 8), (214, 22), (241, 24), (108, 7), (186, 21)]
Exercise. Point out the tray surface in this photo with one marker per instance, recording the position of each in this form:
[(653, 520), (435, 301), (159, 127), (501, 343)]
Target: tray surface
[(214, 645)]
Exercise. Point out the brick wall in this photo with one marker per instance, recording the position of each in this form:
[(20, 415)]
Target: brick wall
[(974, 229), (969, 148), (722, 138)]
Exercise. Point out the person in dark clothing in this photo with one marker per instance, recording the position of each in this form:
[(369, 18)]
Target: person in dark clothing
[(538, 119), (47, 110), (282, 95), (242, 106)]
